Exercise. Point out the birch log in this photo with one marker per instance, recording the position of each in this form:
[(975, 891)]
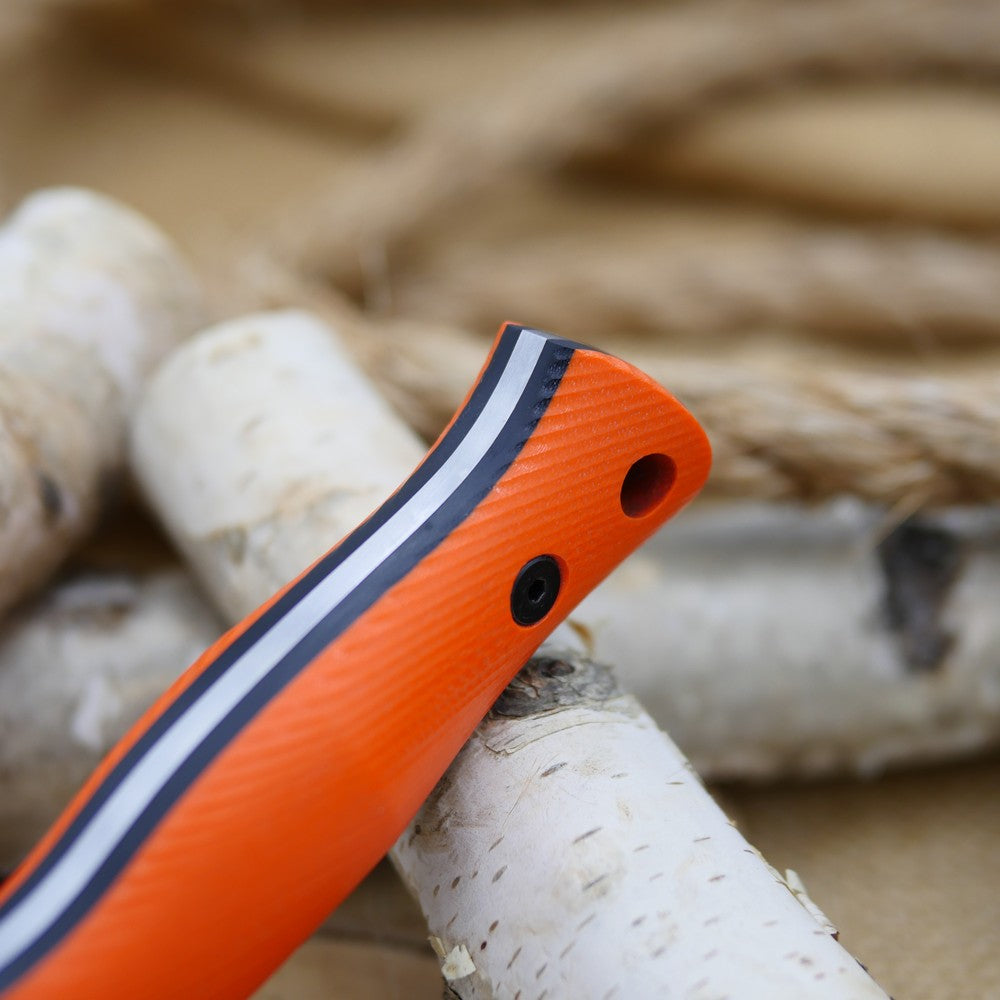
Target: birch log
[(762, 637), (261, 445), (571, 851), (92, 296), (770, 639), (77, 667)]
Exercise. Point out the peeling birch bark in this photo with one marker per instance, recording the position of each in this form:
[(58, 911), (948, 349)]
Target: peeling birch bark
[(774, 640), (77, 667), (571, 851), (92, 297)]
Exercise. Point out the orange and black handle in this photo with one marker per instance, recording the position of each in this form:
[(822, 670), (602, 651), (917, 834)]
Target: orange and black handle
[(263, 786)]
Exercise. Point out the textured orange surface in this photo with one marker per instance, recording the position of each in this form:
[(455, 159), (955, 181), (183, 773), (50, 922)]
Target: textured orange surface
[(314, 790)]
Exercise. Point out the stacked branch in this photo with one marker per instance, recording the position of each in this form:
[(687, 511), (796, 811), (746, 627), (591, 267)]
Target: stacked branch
[(769, 640), (77, 668), (92, 297), (260, 446), (570, 850)]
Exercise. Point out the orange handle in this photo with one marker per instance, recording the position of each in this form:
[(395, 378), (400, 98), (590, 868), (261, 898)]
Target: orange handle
[(263, 786)]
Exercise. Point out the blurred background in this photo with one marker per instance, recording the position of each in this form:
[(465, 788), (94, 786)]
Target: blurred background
[(787, 211)]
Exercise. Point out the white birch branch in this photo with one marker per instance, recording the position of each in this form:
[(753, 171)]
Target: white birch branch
[(92, 296), (774, 640), (570, 851), (260, 445), (77, 667)]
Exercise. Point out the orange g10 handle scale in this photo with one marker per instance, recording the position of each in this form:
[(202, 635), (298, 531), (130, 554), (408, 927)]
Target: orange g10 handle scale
[(263, 786)]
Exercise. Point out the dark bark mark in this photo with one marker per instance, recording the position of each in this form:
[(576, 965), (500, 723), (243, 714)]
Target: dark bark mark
[(920, 563), (548, 683)]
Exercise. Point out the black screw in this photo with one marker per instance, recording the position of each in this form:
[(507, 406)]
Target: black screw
[(535, 590)]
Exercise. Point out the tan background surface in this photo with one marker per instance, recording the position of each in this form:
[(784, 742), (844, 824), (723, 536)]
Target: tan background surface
[(210, 130)]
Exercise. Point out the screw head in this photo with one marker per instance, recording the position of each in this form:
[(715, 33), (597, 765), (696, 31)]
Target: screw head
[(535, 590)]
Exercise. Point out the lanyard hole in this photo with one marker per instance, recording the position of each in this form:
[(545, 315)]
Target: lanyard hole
[(646, 483)]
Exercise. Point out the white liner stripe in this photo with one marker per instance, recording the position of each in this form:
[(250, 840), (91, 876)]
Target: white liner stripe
[(37, 911)]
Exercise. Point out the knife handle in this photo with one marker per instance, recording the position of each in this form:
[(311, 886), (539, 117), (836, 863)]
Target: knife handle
[(271, 777)]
